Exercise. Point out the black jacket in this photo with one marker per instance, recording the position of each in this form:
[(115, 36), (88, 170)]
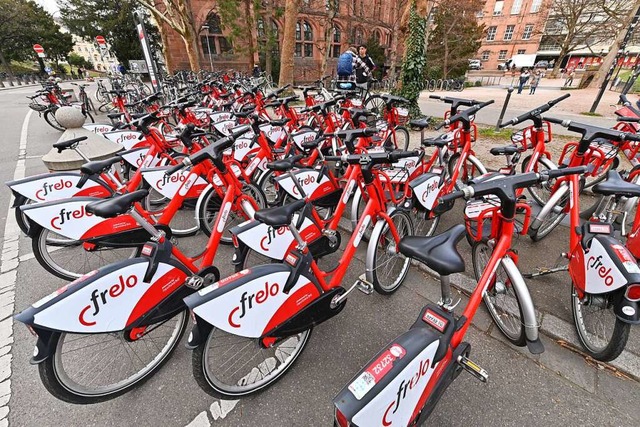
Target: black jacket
[(360, 73)]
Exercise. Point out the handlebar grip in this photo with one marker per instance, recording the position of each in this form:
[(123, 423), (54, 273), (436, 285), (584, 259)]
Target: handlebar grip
[(174, 169), (240, 132), (394, 156), (451, 197), (369, 131), (561, 122), (562, 98), (333, 158), (442, 124), (632, 137), (629, 119), (555, 173), (484, 104), (435, 97), (508, 123)]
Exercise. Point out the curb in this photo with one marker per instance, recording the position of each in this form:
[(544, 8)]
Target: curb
[(550, 325)]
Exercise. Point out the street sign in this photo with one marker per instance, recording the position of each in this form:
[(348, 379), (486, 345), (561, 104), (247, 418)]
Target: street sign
[(138, 67), (101, 41), (39, 50)]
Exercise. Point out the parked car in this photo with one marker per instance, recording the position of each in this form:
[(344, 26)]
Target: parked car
[(542, 64), (475, 64)]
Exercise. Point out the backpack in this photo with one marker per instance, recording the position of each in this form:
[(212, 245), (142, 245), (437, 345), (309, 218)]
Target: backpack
[(345, 64)]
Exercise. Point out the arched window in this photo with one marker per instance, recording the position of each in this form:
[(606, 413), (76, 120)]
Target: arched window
[(211, 40), (336, 41), (264, 35), (304, 39), (377, 36), (358, 38)]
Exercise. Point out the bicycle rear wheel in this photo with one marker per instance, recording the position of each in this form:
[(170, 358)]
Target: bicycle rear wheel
[(399, 139), (228, 366), (50, 118), (500, 297), (93, 368), (601, 333), (375, 104)]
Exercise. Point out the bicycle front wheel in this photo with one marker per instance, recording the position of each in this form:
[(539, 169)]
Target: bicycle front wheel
[(550, 221), (50, 118), (500, 297), (601, 333), (93, 368), (375, 104), (228, 366), (388, 266), (398, 139)]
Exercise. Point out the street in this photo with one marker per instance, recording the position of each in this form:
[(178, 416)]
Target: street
[(559, 387)]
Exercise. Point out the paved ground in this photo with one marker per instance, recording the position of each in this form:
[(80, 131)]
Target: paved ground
[(557, 388)]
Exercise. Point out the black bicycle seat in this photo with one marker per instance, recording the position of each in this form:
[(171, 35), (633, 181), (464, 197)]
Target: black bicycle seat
[(507, 149), (116, 205), (420, 123), (434, 142), (279, 216), (63, 145), (615, 185), (97, 166), (113, 116), (285, 164), (438, 252)]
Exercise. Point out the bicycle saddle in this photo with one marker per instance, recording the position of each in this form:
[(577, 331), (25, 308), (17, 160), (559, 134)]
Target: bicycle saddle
[(279, 122), (435, 142), (97, 166), (116, 205), (438, 252), (280, 216), (285, 164), (615, 185), (420, 123), (63, 145), (113, 116), (507, 149)]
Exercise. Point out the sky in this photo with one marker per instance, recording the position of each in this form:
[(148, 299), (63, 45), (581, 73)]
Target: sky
[(49, 5)]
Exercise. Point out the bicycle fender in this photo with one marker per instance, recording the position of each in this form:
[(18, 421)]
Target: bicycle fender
[(252, 302), (58, 185), (183, 182), (106, 300), (387, 391), (69, 218)]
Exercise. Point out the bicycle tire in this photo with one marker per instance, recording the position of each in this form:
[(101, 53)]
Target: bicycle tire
[(542, 191), (553, 218), (375, 104), (471, 169), (424, 226), (382, 246), (267, 184), (500, 296), (203, 371), (210, 207), (398, 144), (88, 114), (613, 345), (50, 118), (71, 260), (59, 383), (23, 221)]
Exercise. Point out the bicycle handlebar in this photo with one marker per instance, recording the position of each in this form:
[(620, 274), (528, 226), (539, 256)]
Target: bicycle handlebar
[(590, 132), (535, 113), (629, 119), (464, 116)]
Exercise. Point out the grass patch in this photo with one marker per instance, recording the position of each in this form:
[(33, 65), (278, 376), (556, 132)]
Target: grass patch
[(590, 114), (491, 132)]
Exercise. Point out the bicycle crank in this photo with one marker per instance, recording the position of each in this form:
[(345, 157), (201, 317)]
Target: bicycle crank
[(473, 368)]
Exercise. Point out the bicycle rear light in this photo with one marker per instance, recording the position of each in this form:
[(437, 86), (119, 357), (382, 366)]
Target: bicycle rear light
[(341, 419), (633, 292)]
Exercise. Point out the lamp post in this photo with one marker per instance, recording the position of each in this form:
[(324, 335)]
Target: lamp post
[(203, 28)]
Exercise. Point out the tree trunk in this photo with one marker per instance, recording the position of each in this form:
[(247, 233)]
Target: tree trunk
[(328, 38), (556, 67), (6, 66), (288, 42), (191, 47), (250, 34), (613, 50)]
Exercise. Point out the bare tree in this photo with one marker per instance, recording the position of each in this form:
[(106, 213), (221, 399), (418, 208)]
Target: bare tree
[(288, 42), (177, 15), (581, 24)]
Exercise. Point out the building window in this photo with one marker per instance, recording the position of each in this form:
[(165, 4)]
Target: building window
[(535, 6), (497, 8), (485, 55), (522, 51), (528, 31), (358, 36), (377, 11), (335, 43), (213, 42), (304, 39), (502, 54), (491, 33), (263, 36), (516, 6), (508, 32), (377, 36)]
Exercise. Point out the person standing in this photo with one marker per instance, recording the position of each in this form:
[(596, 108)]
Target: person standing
[(570, 75), (348, 63), (362, 78), (535, 81), (524, 77)]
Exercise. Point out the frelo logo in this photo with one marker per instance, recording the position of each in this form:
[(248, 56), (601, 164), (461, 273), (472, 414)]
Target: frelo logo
[(402, 390), (49, 188), (126, 137), (306, 180), (603, 272), (271, 235), (99, 299), (66, 216), (432, 186), (171, 179), (246, 302)]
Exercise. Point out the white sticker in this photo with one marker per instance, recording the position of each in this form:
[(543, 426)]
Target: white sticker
[(361, 386), (629, 311), (361, 230)]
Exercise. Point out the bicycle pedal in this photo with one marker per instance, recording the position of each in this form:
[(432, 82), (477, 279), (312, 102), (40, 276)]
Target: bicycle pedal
[(194, 282), (473, 368), (363, 285)]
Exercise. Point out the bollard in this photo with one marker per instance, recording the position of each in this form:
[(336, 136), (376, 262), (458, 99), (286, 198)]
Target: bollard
[(1, 82), (19, 80), (504, 107)]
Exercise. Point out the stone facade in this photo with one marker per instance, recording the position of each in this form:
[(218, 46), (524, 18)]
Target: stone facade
[(355, 23)]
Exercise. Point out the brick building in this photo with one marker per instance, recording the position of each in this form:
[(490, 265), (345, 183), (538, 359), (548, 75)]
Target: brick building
[(356, 21), (512, 27)]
